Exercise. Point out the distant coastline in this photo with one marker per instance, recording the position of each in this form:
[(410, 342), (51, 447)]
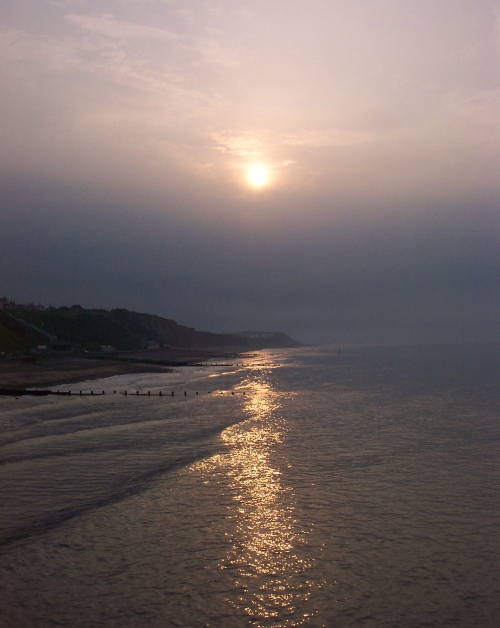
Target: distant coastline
[(35, 330), (47, 346)]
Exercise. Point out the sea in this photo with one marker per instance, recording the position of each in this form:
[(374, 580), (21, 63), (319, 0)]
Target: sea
[(352, 486)]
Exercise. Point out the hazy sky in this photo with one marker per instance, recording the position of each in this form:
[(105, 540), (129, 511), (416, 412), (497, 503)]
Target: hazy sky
[(330, 168)]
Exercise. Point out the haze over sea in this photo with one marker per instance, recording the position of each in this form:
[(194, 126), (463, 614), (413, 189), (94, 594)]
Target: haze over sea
[(351, 489)]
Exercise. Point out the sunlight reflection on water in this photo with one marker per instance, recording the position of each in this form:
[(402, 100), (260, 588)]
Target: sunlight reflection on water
[(365, 493), (264, 544)]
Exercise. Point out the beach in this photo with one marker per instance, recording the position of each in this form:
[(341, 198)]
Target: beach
[(66, 369)]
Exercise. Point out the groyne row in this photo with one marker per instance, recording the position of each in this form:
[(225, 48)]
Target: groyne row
[(174, 363), (12, 392)]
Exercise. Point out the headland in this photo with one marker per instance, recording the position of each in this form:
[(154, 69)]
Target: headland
[(47, 346)]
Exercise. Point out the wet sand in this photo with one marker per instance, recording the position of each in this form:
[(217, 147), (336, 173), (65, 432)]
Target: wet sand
[(61, 369), (66, 370)]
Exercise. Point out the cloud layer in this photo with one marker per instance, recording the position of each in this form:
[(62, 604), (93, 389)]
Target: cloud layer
[(128, 129)]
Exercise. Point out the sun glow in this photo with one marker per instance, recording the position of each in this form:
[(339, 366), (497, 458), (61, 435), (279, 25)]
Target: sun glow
[(258, 176)]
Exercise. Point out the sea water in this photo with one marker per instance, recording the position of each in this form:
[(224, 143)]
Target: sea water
[(310, 487)]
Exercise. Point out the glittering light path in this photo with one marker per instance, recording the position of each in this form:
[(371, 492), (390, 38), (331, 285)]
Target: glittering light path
[(266, 537)]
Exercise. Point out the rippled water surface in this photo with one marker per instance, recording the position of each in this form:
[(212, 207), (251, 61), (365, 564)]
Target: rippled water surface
[(358, 488)]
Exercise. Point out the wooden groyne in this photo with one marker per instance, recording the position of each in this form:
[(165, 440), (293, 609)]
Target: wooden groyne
[(19, 392), (12, 392), (173, 363)]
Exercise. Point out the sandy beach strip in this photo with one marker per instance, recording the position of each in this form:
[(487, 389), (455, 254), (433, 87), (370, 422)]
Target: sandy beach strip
[(53, 371), (66, 369)]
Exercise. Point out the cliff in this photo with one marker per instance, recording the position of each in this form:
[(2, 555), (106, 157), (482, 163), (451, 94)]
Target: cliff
[(66, 328)]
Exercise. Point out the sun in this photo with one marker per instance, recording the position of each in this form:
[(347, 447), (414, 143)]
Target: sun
[(258, 176)]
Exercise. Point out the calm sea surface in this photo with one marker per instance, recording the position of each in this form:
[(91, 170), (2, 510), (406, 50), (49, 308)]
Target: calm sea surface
[(351, 489)]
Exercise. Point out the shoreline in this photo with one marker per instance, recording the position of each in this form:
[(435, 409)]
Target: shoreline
[(65, 369), (58, 371)]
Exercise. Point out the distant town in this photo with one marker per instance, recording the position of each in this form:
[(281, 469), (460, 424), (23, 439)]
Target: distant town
[(6, 304)]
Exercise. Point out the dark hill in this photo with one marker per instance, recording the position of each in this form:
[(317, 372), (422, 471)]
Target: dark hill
[(125, 330)]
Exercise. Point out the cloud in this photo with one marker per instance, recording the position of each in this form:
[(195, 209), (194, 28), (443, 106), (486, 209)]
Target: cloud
[(480, 108), (107, 26), (244, 145), (55, 54), (203, 50), (213, 52), (328, 137), (366, 114)]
